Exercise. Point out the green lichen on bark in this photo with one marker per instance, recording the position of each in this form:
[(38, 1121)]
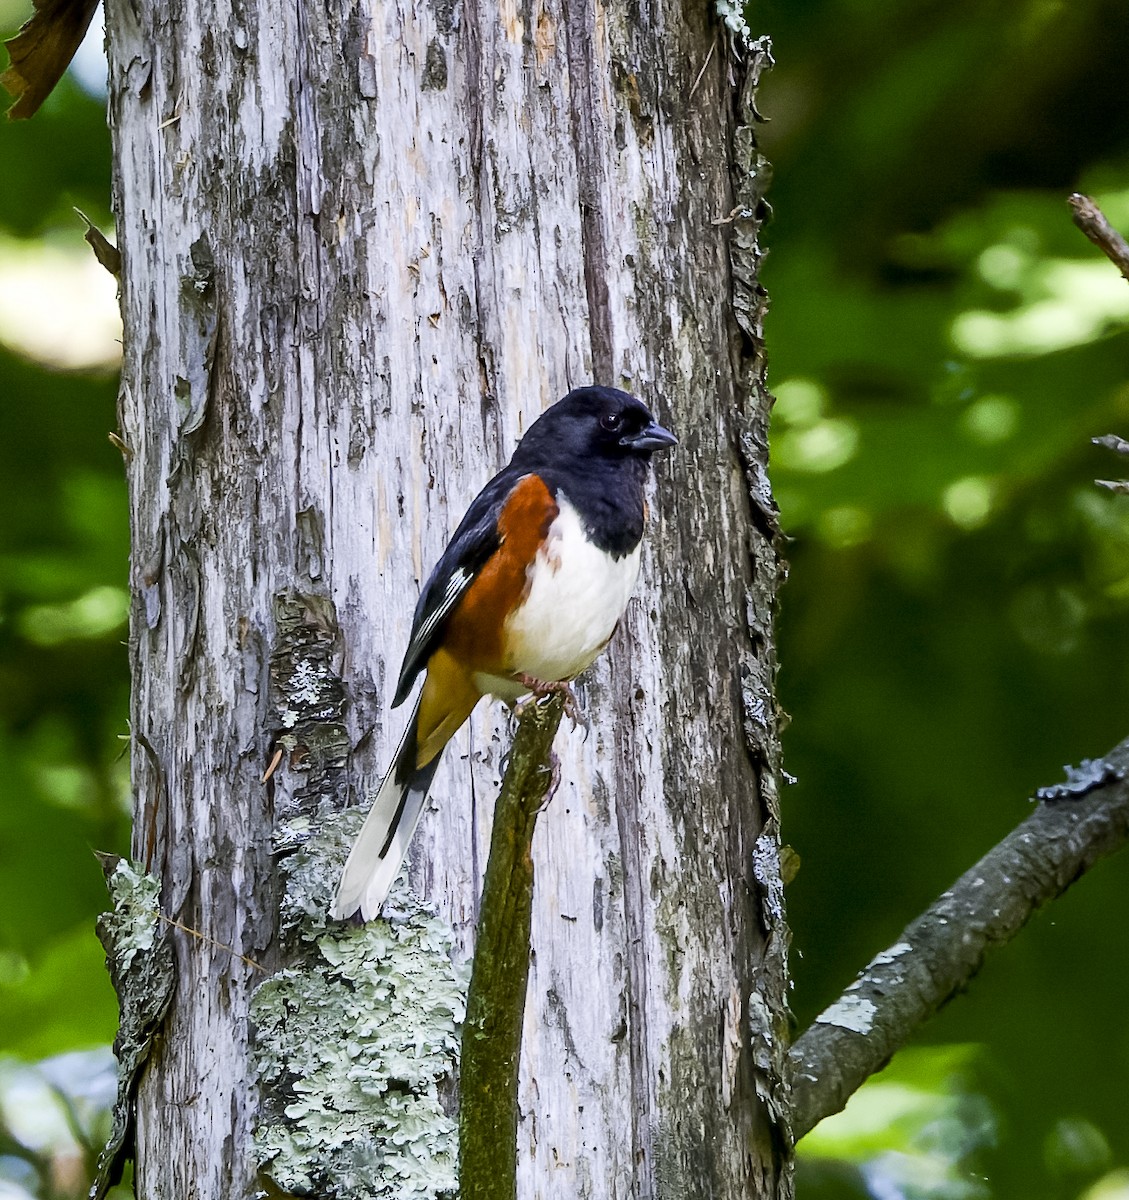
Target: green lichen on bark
[(356, 1046), (134, 926), (140, 961)]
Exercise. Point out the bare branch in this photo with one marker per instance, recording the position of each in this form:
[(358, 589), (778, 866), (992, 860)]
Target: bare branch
[(491, 1045), (1093, 223), (1119, 446), (1112, 442), (1075, 825)]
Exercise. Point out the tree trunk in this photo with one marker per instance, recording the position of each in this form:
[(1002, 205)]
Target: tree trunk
[(361, 251)]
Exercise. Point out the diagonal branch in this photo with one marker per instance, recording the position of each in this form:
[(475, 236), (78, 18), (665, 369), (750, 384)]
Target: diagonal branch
[(1095, 225), (1075, 825), (491, 1046)]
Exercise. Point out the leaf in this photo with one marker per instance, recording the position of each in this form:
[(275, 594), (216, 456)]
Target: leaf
[(42, 51), (60, 1000)]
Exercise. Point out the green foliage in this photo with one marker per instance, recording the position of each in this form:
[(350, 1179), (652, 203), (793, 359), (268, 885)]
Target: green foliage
[(919, 1128), (944, 344), (63, 686), (55, 1115), (63, 669)]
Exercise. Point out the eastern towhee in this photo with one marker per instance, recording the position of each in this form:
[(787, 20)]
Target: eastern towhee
[(528, 592)]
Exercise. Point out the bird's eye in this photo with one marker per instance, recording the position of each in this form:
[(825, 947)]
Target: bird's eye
[(612, 421)]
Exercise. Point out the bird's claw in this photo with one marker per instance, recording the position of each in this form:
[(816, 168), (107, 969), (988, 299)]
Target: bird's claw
[(540, 688)]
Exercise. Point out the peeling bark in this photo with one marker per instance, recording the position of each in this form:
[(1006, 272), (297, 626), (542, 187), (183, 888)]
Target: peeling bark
[(140, 962), (363, 247)]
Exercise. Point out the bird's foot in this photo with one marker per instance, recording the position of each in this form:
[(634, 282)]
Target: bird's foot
[(540, 688)]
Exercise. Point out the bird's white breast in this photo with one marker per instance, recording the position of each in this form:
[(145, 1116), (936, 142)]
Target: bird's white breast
[(577, 594)]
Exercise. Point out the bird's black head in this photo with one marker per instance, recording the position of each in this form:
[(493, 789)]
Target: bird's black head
[(596, 422)]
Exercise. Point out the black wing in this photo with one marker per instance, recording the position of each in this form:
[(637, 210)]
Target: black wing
[(474, 542)]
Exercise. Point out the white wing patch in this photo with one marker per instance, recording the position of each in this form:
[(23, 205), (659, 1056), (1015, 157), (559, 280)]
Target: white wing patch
[(577, 594), (458, 583)]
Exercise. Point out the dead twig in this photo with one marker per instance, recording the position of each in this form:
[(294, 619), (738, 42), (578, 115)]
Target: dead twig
[(709, 59), (203, 937), (104, 250), (273, 766), (1095, 225)]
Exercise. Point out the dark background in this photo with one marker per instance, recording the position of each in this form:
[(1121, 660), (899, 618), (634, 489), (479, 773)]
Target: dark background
[(944, 344)]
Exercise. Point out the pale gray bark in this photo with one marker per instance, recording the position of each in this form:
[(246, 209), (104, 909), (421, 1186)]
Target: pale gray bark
[(362, 249)]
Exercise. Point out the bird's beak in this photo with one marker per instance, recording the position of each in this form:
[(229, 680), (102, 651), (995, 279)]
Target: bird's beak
[(653, 437)]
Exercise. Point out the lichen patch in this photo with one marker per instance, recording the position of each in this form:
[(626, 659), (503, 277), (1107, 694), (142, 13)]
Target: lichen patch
[(357, 1045)]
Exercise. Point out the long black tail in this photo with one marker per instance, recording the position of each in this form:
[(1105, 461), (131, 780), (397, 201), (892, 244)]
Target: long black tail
[(374, 861)]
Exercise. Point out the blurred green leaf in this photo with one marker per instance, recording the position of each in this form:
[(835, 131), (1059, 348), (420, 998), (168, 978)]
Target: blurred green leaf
[(63, 669), (49, 878), (953, 626), (915, 1130), (56, 163), (63, 1002)]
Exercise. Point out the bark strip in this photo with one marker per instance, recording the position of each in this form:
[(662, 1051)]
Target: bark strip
[(579, 19), (1076, 824), (491, 1046)]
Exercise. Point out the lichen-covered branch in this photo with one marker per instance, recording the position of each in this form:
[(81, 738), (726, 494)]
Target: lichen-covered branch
[(1095, 225), (491, 1046), (1075, 825)]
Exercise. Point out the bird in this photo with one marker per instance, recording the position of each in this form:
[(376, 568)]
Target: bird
[(529, 590)]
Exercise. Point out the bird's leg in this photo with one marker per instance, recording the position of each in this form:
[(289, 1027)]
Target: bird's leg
[(541, 688)]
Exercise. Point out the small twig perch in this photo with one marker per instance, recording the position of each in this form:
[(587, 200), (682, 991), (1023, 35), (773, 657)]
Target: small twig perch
[(1093, 223), (491, 1045), (1075, 825)]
